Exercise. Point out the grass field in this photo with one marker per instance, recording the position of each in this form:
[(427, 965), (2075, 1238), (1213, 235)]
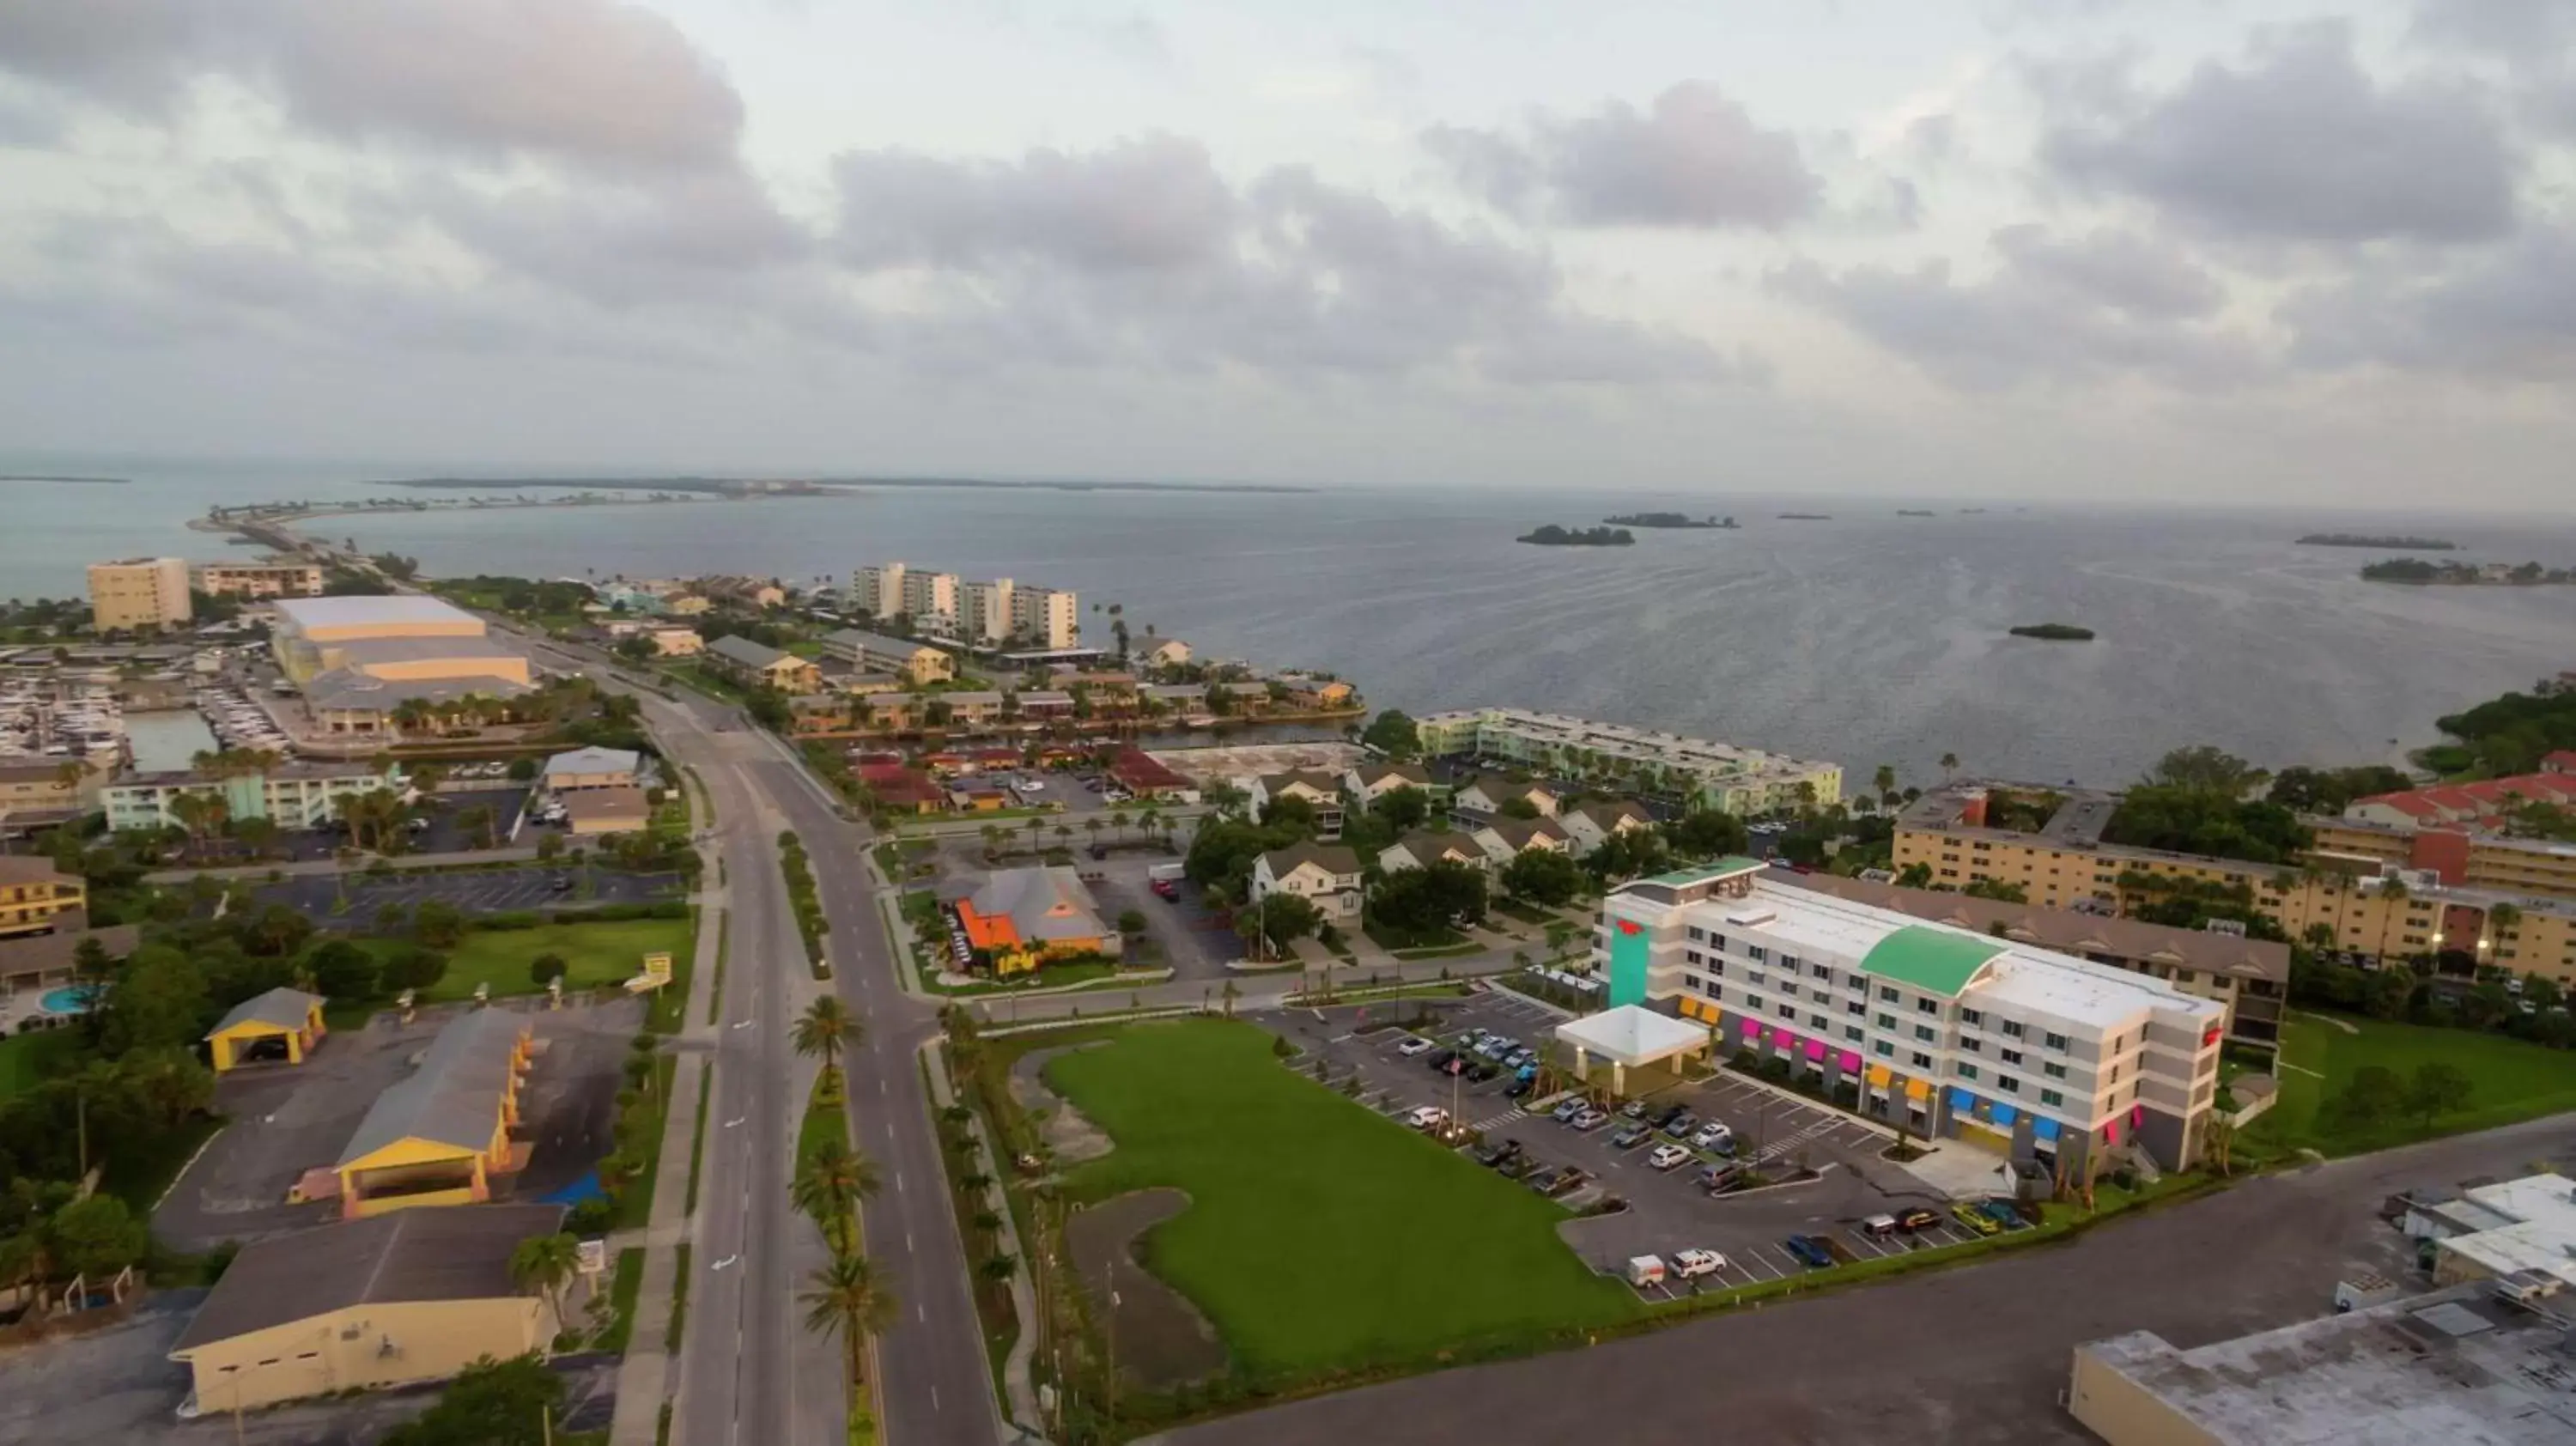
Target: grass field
[(597, 953), (24, 1057), (2513, 1080), (1320, 1236)]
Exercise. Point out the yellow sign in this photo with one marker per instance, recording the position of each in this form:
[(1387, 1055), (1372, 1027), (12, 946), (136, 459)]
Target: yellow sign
[(657, 970)]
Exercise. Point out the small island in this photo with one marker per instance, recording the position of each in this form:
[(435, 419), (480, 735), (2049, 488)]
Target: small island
[(1671, 519), (2054, 632), (1806, 517), (1915, 512), (2392, 541), (2415, 571), (1552, 535), (68, 481)]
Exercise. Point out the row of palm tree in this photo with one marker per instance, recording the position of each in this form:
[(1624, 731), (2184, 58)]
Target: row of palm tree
[(1149, 821), (846, 1298)]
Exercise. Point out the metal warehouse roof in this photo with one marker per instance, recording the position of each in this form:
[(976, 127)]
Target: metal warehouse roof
[(407, 1255), (454, 1098)]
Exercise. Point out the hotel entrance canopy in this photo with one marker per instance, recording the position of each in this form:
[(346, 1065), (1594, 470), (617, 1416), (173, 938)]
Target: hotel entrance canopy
[(1629, 1036)]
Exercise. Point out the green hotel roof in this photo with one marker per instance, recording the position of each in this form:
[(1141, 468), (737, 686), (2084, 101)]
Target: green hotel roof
[(1936, 961), (1702, 873)]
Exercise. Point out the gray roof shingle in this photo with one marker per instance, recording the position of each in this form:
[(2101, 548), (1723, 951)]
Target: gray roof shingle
[(454, 1098), (281, 1008), (461, 1253)]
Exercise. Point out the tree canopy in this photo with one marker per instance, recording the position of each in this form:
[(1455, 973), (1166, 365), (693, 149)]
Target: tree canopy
[(1393, 734), (1542, 876), (1429, 898)]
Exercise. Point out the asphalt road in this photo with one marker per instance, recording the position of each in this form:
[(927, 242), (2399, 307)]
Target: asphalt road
[(748, 1372)]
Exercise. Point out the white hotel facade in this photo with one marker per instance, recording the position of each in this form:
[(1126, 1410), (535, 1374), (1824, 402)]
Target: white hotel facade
[(1709, 774), (2032, 1054)]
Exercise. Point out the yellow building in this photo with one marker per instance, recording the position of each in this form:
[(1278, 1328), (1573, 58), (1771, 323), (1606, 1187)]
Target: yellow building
[(366, 1304), (33, 894), (282, 1024), (2465, 857), (755, 665), (2362, 901), (312, 635), (139, 592), (47, 792), (442, 1135), (676, 642), (257, 579)]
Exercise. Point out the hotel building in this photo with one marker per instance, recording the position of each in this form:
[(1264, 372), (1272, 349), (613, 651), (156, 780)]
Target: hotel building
[(257, 579), (1707, 774), (1049, 617), (139, 592), (2033, 1054)]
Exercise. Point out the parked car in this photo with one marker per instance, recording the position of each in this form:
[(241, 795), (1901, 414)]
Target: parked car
[(1520, 1166), (1571, 1180), (1483, 1072), (1720, 1178), (1809, 1251), (1667, 1157), (2005, 1214), (1441, 1060), (1590, 1120), (1691, 1264), (1670, 1113), (1568, 1108), (1493, 1153), (1520, 1089), (1681, 1125), (1630, 1137), (1167, 889), (1543, 1179), (1708, 1136), (1976, 1220), (1427, 1117), (1916, 1218), (1633, 1110), (1414, 1046), (1879, 1226)]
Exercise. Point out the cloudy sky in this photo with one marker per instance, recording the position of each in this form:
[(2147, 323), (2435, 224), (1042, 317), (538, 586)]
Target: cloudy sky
[(2070, 248)]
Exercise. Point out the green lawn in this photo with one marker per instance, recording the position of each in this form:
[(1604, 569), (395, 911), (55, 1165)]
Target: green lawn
[(598, 953), (2513, 1080), (26, 1058), (1320, 1236)]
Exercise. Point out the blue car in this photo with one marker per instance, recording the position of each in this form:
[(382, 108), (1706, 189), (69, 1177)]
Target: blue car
[(1810, 1251)]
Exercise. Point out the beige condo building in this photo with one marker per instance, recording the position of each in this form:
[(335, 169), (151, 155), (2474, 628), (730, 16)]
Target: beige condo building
[(139, 592), (258, 579)]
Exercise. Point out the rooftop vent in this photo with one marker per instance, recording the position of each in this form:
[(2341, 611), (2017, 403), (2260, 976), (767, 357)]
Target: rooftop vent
[(1750, 918)]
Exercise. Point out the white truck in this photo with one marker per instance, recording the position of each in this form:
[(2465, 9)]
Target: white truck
[(1645, 1270), (1173, 871)]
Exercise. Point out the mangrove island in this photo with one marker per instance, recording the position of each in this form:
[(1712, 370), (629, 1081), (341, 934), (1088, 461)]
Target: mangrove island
[(1554, 536), (2054, 632), (2418, 572), (2372, 539), (1671, 519)]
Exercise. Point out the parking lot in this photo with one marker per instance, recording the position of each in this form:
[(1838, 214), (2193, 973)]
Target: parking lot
[(1667, 1210), (481, 891)]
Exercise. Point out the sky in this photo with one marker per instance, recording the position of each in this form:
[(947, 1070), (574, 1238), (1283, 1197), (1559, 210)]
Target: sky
[(2058, 249)]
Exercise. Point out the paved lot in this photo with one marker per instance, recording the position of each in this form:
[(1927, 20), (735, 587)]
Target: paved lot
[(119, 1385), (1971, 1357), (1667, 1210), (289, 1119), (482, 891)]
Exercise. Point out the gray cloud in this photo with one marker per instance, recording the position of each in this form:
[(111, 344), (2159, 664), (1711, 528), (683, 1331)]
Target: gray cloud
[(2509, 313), (2079, 311), (1149, 204), (591, 80), (2534, 40), (1693, 159), (2298, 143)]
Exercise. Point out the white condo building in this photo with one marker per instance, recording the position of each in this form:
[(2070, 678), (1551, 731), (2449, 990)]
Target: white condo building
[(878, 589), (2033, 1054), (1708, 773), (984, 614), (1048, 617), (981, 613)]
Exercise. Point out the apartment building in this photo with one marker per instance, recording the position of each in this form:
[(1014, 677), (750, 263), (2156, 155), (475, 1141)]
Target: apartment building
[(296, 795), (1700, 771), (139, 592), (2367, 905), (1049, 617), (984, 615), (1325, 875), (34, 896), (878, 590), (916, 663), (675, 642), (931, 599), (257, 579), (2005, 1046), (1322, 791), (756, 665), (2466, 855), (34, 792)]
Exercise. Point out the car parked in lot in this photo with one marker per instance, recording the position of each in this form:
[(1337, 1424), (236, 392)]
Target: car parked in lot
[(1493, 1153), (1520, 1089), (1520, 1166), (1630, 1137), (1568, 1108), (1543, 1178), (1720, 1178), (1810, 1251), (1681, 1125), (1916, 1218), (1571, 1180), (1483, 1072), (1667, 1157), (1670, 1113), (1589, 1120), (1879, 1227), (1976, 1220), (2004, 1213), (1442, 1060), (1691, 1264), (1633, 1110), (1713, 1136), (1520, 1057), (1414, 1046), (1427, 1117)]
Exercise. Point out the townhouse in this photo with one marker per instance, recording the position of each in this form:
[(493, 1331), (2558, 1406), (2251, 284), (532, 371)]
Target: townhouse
[(917, 663), (1506, 839), (1422, 850), (757, 665), (1590, 826), (1367, 782), (1321, 790), (1325, 875)]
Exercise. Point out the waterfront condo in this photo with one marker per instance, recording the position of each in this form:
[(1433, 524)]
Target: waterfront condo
[(1702, 772), (2029, 1053)]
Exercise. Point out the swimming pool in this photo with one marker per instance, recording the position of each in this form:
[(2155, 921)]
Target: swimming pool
[(64, 1001)]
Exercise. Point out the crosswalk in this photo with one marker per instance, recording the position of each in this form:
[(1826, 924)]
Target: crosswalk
[(1495, 1122), (1780, 1148)]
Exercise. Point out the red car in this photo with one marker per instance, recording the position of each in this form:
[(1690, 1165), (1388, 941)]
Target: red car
[(1167, 889)]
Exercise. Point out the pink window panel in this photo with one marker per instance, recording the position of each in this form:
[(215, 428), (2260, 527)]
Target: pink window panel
[(1783, 1038), (1849, 1061), (1753, 1029), (1816, 1050)]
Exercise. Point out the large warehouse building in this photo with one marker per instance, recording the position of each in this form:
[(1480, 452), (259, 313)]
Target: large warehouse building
[(393, 1301), (358, 659)]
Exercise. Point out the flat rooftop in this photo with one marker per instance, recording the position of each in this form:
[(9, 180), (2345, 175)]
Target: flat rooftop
[(352, 612), (1705, 756), (2462, 1367)]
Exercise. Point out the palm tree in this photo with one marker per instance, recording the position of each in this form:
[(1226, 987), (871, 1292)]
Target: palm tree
[(1037, 830), (992, 841), (829, 1186), (1949, 766), (846, 1299), (1092, 827), (545, 1264), (1884, 780), (1118, 820), (823, 1031)]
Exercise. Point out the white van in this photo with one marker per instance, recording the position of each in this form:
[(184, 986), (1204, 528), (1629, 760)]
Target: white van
[(1428, 1117), (1645, 1270)]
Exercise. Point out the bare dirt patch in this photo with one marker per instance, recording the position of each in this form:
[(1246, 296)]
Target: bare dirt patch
[(1163, 1340), (1070, 1137)]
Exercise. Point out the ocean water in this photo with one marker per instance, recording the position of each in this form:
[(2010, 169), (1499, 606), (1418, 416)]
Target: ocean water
[(1871, 638)]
